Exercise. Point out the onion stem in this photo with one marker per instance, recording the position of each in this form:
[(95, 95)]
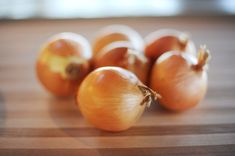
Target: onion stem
[(203, 57), (150, 96)]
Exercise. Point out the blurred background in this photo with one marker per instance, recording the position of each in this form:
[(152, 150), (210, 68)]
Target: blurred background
[(70, 9)]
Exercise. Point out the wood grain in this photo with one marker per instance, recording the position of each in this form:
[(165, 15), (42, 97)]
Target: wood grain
[(134, 131), (186, 150), (33, 122)]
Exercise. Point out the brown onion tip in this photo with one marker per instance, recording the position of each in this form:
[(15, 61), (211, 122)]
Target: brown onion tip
[(74, 70), (150, 96), (203, 58)]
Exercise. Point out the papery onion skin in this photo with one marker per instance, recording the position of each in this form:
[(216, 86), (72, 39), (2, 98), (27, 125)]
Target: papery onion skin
[(165, 40), (121, 54), (113, 33), (110, 99), (175, 79), (63, 63)]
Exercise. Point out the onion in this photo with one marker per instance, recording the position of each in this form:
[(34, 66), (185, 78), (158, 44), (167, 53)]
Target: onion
[(63, 63), (122, 54), (114, 33), (180, 79), (165, 40), (112, 98)]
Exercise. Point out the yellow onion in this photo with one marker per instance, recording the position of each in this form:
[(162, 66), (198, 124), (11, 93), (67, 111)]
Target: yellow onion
[(122, 54), (113, 33), (63, 63), (165, 40), (180, 79), (112, 98)]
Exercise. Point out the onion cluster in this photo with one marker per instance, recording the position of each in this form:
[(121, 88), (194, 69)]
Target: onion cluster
[(177, 73), (121, 46), (114, 95)]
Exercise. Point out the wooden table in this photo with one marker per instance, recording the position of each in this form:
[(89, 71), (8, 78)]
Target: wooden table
[(33, 122)]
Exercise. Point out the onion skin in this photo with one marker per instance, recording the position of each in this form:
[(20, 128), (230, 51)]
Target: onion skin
[(113, 33), (165, 40), (110, 99), (178, 79), (121, 54), (63, 63)]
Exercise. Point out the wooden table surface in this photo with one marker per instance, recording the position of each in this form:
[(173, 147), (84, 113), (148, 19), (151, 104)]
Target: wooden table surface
[(33, 122)]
